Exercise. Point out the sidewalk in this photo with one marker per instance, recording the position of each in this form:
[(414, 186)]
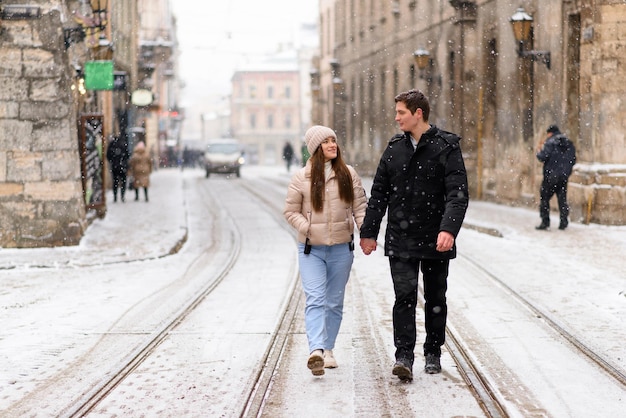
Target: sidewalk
[(130, 231), (139, 230)]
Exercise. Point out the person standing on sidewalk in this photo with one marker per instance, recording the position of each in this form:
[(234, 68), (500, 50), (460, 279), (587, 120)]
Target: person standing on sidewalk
[(325, 200), (117, 154), (422, 182), (288, 155), (558, 156), (140, 169)]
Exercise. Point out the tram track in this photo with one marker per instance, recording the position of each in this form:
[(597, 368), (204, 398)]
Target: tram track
[(261, 380), (271, 359), (486, 388), (188, 292), (86, 403), (608, 366)]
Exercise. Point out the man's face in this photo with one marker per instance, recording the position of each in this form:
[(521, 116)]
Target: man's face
[(406, 120)]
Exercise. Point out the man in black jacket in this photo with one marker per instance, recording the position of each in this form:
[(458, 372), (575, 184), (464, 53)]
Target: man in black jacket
[(558, 156), (117, 154), (422, 182)]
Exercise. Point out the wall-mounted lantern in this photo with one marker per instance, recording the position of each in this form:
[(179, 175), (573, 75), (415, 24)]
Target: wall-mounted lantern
[(522, 23), (315, 81), (334, 67), (422, 60), (337, 84)]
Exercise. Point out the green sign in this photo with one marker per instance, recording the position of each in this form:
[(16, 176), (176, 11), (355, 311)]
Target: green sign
[(99, 75)]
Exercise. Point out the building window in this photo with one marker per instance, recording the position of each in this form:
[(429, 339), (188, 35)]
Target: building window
[(253, 121), (270, 92), (288, 120), (270, 121), (288, 92), (252, 91)]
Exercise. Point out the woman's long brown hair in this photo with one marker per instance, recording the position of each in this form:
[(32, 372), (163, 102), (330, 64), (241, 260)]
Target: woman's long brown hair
[(318, 180)]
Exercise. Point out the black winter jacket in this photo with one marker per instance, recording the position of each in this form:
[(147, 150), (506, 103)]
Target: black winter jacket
[(117, 154), (425, 192), (558, 156)]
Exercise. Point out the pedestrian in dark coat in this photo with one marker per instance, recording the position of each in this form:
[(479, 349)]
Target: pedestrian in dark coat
[(422, 183), (288, 155), (117, 154), (140, 169), (558, 156)]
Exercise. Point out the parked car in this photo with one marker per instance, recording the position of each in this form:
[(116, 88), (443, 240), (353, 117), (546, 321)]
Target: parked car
[(224, 156)]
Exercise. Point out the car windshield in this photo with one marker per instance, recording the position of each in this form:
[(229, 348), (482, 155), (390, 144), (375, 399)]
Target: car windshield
[(223, 148)]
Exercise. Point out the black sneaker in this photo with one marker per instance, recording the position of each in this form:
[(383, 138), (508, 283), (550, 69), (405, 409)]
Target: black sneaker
[(402, 369), (562, 225), (433, 365), (542, 227)]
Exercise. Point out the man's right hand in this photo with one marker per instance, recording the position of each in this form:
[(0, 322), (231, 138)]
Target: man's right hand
[(368, 245)]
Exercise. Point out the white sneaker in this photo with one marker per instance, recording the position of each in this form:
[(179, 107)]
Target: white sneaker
[(329, 360), (316, 363)]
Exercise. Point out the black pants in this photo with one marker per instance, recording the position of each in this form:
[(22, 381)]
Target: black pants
[(548, 188), (404, 274), (119, 181)]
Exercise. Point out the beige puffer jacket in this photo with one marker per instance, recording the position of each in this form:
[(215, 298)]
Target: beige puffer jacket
[(335, 224)]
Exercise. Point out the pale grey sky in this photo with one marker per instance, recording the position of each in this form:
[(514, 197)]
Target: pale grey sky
[(216, 37)]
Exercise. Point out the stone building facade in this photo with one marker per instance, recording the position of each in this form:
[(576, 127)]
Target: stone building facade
[(499, 100), (41, 196), (45, 47)]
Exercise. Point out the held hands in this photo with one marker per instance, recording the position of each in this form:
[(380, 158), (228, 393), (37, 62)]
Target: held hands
[(445, 241), (368, 245)]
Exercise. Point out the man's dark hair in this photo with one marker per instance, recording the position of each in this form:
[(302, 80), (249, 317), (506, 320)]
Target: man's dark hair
[(415, 99)]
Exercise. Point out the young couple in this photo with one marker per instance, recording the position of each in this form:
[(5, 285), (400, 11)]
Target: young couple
[(422, 183)]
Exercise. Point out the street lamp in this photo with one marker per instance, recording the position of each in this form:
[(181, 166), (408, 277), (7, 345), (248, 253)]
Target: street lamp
[(315, 81), (522, 23), (422, 59)]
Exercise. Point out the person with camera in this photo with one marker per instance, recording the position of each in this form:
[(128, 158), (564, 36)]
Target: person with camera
[(325, 200), (558, 155)]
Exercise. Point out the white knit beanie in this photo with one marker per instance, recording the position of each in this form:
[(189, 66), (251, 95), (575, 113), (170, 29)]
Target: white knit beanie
[(316, 135)]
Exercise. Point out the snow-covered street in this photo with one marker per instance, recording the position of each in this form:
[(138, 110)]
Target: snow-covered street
[(70, 315)]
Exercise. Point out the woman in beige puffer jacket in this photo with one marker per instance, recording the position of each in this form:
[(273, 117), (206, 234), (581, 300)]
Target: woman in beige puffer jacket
[(140, 167), (325, 201)]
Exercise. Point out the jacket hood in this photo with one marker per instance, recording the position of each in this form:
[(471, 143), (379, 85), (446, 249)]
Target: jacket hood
[(561, 141)]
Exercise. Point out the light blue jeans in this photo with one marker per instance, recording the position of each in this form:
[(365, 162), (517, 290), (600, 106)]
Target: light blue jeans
[(324, 273)]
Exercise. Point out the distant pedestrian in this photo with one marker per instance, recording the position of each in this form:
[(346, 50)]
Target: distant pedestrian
[(117, 154), (421, 183), (325, 200), (140, 169), (288, 155), (558, 155)]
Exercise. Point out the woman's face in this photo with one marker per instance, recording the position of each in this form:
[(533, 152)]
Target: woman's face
[(329, 148)]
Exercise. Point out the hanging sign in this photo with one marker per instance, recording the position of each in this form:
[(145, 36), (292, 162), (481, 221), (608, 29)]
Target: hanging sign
[(99, 75), (142, 97)]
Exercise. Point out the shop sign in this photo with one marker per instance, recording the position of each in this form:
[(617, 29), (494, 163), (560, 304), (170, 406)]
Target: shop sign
[(99, 75), (141, 97)]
